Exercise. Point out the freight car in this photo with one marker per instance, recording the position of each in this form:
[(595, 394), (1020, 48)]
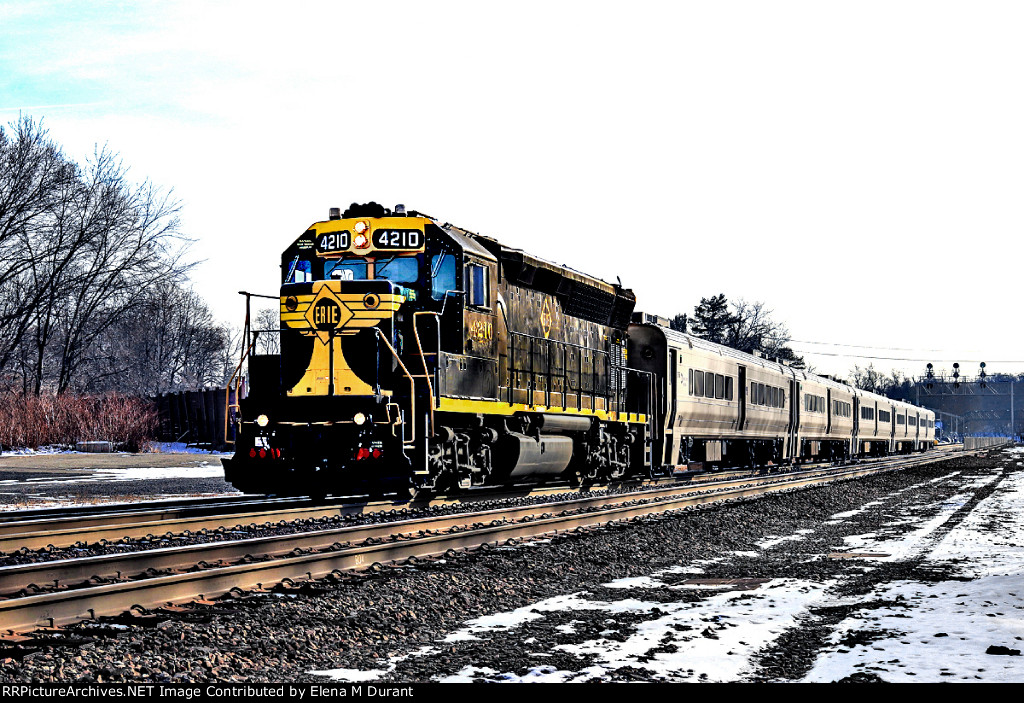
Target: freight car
[(418, 355)]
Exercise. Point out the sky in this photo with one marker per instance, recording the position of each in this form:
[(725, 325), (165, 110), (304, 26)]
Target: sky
[(856, 166)]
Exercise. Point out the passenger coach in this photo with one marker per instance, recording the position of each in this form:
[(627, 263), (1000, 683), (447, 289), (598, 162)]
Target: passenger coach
[(721, 407)]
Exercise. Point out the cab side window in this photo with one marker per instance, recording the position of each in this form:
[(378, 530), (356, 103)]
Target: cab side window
[(476, 286), (442, 275)]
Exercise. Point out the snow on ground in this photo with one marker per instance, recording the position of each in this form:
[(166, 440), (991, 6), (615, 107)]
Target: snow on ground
[(952, 624), (206, 470), (740, 622), (154, 447), (941, 633), (62, 487)]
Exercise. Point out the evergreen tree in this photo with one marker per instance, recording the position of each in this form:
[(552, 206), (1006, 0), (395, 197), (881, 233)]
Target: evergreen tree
[(712, 319), (679, 323)]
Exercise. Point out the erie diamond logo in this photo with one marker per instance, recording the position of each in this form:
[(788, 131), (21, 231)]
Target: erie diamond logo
[(328, 312)]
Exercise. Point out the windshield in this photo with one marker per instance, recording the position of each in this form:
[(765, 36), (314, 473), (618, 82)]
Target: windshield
[(400, 269), (345, 270)]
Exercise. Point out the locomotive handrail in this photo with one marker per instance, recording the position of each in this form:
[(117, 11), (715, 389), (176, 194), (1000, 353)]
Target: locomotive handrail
[(246, 351), (412, 387), (423, 356), (611, 395)]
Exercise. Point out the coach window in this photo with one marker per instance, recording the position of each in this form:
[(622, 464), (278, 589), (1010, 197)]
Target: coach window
[(728, 387), (719, 386), (709, 384), (698, 383)]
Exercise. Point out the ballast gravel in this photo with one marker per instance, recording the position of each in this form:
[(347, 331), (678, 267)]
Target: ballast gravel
[(372, 621)]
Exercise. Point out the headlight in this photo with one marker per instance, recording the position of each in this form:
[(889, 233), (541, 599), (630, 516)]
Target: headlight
[(262, 420), (359, 418)]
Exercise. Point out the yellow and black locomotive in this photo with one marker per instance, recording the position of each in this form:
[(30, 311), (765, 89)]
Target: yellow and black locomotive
[(418, 355)]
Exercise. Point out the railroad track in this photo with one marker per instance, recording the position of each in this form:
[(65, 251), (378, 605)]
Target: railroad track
[(78, 526), (64, 591)]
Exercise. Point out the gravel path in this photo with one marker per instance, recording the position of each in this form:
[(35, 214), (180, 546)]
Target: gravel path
[(428, 622)]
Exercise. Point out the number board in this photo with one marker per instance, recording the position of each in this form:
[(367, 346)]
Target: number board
[(391, 238), (333, 241)]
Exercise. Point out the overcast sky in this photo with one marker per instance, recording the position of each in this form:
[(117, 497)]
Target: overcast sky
[(857, 166)]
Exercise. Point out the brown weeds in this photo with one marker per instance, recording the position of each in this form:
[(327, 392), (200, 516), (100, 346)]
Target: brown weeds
[(31, 421)]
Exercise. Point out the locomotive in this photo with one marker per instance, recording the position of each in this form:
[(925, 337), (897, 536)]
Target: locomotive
[(416, 355)]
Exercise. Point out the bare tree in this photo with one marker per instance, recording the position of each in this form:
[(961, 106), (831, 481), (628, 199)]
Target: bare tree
[(82, 251), (268, 323), (36, 183), (129, 243), (868, 379), (753, 329), (166, 342)]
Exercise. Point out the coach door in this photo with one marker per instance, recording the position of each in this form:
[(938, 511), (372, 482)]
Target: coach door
[(794, 420), (854, 447), (892, 428), (828, 425), (671, 389), (741, 419)]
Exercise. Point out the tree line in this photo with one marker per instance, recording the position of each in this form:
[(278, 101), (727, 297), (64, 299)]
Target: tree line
[(94, 288), (748, 327)]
